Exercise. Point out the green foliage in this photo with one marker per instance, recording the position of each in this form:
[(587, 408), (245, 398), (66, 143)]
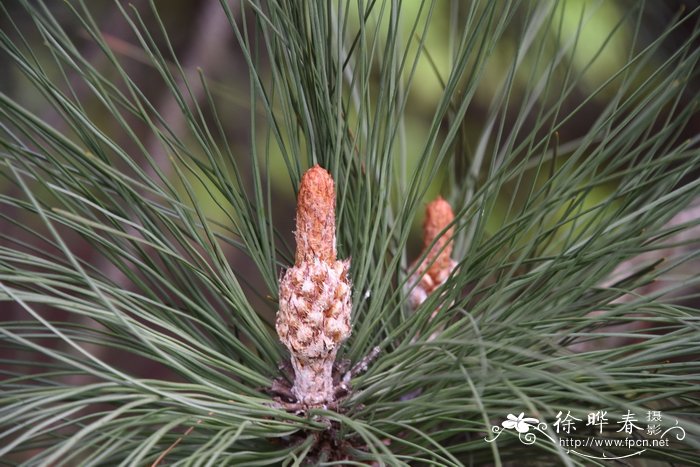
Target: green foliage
[(559, 171)]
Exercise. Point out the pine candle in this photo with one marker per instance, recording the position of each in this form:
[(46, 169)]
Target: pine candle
[(438, 263), (315, 294)]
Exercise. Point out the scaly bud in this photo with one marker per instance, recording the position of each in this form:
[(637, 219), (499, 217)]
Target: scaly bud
[(438, 263), (314, 305)]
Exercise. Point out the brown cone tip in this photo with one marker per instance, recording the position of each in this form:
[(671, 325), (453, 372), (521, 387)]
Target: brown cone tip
[(315, 233), (438, 215)]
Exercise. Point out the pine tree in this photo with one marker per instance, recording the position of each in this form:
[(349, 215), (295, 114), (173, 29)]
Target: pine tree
[(150, 280)]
